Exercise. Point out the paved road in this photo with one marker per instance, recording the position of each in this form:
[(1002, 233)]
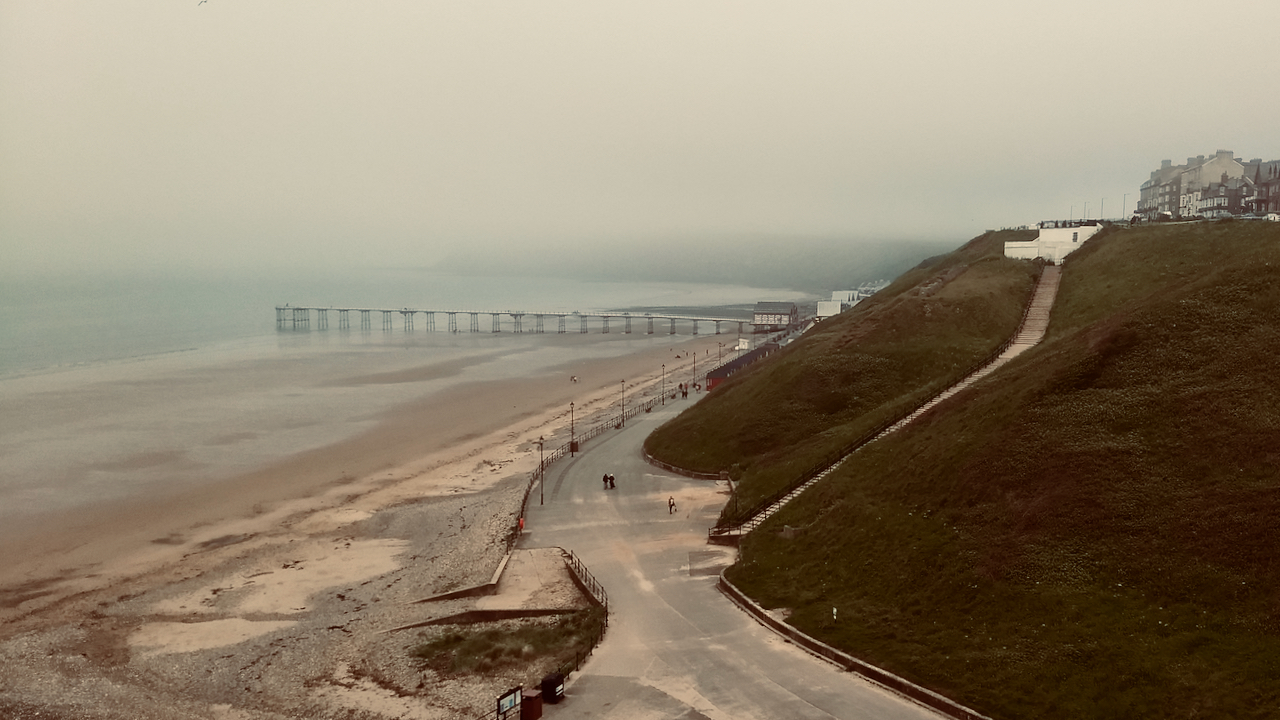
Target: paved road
[(676, 647)]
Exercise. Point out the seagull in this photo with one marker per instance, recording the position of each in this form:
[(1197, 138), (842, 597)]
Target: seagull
[(201, 3)]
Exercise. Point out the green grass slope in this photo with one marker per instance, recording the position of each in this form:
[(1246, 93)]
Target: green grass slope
[(854, 370), (1092, 531)]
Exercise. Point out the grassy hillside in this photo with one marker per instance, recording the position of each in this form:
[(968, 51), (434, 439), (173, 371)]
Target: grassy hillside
[(1091, 532), (854, 370)]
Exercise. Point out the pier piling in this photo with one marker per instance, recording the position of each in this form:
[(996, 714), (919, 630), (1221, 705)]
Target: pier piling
[(299, 318)]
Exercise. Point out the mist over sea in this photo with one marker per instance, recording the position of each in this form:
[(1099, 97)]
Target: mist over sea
[(118, 385), (64, 322)]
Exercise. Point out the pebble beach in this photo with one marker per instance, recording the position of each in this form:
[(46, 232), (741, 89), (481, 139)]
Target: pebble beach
[(269, 593)]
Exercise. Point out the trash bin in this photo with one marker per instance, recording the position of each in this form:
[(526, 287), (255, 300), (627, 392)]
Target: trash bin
[(531, 705), (573, 446), (553, 688)]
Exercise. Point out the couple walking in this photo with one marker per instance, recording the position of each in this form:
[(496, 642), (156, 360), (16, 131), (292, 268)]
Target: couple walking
[(609, 481)]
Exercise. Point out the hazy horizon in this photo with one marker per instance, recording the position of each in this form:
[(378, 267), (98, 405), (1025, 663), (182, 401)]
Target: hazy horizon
[(146, 134)]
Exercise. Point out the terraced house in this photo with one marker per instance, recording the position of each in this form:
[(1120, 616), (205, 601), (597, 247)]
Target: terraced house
[(1215, 186), (1267, 180)]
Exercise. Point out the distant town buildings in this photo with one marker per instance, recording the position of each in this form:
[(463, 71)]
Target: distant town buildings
[(842, 300), (827, 308), (1210, 187), (770, 316), (720, 374)]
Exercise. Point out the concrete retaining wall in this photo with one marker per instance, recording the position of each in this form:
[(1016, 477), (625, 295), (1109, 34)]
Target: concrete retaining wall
[(488, 588), (885, 678), (678, 470)]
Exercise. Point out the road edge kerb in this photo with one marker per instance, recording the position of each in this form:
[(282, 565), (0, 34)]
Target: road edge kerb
[(676, 470), (884, 678)]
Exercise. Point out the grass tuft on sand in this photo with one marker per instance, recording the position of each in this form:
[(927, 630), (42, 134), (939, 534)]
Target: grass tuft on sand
[(542, 644)]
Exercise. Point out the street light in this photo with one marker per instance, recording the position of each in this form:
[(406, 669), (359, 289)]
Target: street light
[(664, 383), (719, 352), (622, 421), (542, 473), (573, 444)]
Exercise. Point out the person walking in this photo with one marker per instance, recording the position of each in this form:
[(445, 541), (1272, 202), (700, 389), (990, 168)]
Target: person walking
[(606, 481), (612, 483), (671, 505)]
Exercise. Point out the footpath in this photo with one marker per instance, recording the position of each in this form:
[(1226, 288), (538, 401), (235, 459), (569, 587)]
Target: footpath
[(677, 647), (1031, 331), (679, 644)]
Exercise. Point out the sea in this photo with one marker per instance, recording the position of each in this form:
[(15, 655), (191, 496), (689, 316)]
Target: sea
[(120, 384)]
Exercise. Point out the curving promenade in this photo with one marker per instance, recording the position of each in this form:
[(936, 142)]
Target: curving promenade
[(673, 651), (677, 647)]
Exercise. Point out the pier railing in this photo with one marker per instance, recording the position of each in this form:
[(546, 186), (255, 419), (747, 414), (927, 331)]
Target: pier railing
[(588, 582), (298, 318)]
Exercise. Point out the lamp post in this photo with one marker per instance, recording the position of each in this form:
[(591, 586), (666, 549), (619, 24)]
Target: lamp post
[(664, 383), (719, 352), (573, 444), (622, 405), (542, 473)]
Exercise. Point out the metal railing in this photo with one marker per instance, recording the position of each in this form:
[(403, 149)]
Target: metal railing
[(589, 582), (597, 592), (610, 423), (571, 666)]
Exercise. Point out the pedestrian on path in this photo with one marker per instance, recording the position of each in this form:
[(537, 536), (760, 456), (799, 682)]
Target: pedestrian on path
[(612, 483), (606, 481), (671, 505)]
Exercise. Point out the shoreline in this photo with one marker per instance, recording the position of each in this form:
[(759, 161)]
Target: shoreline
[(272, 593), (462, 439)]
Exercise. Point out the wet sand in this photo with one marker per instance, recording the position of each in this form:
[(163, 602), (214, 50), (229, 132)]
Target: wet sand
[(312, 556), (470, 423)]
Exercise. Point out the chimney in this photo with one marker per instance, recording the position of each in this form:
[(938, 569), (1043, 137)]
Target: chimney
[(1164, 164), (1225, 154)]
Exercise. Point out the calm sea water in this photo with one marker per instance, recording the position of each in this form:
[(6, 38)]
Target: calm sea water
[(51, 324), (112, 387)]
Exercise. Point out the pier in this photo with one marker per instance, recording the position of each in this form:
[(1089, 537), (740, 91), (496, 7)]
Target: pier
[(290, 317)]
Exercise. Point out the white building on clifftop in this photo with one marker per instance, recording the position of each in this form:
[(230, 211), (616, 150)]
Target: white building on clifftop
[(1055, 241)]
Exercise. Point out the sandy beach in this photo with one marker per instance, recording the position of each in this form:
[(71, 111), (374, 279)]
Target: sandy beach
[(266, 594)]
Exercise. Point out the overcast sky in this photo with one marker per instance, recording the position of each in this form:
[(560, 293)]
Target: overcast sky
[(233, 132)]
